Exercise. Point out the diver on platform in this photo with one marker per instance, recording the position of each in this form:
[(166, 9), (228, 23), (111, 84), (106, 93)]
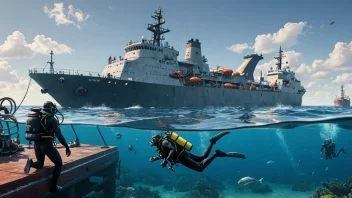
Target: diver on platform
[(329, 147), (174, 149), (43, 138)]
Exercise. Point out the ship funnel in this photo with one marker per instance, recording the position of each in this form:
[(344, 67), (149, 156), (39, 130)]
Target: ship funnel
[(249, 65), (194, 52)]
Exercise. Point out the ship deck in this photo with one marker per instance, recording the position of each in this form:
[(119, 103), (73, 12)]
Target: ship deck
[(85, 161)]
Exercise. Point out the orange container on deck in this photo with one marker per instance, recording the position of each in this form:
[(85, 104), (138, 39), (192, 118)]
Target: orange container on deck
[(236, 73), (195, 80), (229, 85), (226, 72), (253, 87)]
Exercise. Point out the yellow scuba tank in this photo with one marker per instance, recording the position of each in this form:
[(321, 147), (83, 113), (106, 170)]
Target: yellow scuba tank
[(180, 141)]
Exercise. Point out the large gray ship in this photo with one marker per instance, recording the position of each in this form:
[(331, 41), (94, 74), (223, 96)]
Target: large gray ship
[(150, 75)]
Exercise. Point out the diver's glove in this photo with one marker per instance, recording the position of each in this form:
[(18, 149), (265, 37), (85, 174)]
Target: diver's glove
[(68, 151), (164, 163)]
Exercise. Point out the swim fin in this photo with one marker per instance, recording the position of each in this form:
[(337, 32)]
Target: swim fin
[(27, 168), (344, 151), (237, 155), (219, 153), (218, 136)]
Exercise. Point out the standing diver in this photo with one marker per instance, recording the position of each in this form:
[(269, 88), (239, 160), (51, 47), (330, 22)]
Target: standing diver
[(41, 127), (172, 148), (329, 147)]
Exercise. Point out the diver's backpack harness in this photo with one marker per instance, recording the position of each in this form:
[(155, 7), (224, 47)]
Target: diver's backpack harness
[(35, 126), (178, 142)]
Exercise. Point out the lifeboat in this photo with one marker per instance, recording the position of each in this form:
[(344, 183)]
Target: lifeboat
[(195, 80), (236, 73), (253, 87), (226, 72), (179, 73), (229, 85), (273, 84)]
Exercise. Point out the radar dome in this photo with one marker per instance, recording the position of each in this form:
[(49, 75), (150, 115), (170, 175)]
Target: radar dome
[(143, 38)]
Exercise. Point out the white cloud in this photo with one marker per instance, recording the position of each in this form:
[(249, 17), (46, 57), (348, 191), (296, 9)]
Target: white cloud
[(7, 74), (344, 78), (310, 84), (238, 48), (349, 86), (320, 75), (16, 47), (286, 36), (11, 85), (339, 58), (110, 8), (74, 16)]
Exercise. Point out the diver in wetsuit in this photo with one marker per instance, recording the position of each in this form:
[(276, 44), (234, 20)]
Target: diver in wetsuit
[(44, 146), (329, 147), (174, 154)]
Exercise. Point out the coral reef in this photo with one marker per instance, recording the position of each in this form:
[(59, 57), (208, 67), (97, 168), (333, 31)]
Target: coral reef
[(169, 185), (150, 178), (302, 186), (333, 188), (202, 189)]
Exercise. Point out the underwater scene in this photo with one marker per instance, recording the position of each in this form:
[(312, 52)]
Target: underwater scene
[(268, 152)]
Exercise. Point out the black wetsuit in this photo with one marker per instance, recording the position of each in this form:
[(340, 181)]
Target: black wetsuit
[(45, 147), (330, 150), (178, 155)]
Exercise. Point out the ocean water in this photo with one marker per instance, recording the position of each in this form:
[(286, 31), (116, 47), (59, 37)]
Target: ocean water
[(291, 137)]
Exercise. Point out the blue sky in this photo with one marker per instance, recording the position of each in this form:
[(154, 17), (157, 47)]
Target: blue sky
[(106, 26)]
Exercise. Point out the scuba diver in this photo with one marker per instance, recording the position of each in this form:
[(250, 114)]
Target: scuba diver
[(41, 127), (175, 149), (329, 147)]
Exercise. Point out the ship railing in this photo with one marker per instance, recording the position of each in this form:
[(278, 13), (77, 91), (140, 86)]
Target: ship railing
[(64, 72)]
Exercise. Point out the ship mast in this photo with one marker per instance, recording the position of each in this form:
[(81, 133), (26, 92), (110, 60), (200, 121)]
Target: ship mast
[(51, 62), (342, 93), (279, 59), (156, 27)]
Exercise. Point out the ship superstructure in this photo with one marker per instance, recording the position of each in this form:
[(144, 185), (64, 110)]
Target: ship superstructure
[(150, 75), (342, 100)]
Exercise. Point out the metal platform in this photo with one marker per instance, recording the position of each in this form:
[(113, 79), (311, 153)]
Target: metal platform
[(76, 176)]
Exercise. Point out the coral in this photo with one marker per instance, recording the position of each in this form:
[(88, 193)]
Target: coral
[(329, 196), (125, 192), (216, 184), (319, 192), (350, 179), (333, 188), (259, 188), (337, 187), (202, 189), (150, 178)]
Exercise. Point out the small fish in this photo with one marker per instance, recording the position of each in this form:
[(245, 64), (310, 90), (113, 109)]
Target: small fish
[(271, 162), (130, 148), (327, 168), (249, 180), (312, 173), (118, 135)]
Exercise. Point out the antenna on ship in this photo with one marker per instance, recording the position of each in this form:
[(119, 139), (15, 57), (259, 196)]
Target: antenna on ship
[(279, 59), (51, 62), (342, 92), (156, 27)]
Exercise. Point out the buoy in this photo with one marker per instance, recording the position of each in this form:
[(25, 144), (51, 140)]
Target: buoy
[(226, 72), (236, 73), (195, 80), (253, 87), (229, 85)]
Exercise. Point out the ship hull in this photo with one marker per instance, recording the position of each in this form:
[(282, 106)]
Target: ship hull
[(342, 103), (125, 93)]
